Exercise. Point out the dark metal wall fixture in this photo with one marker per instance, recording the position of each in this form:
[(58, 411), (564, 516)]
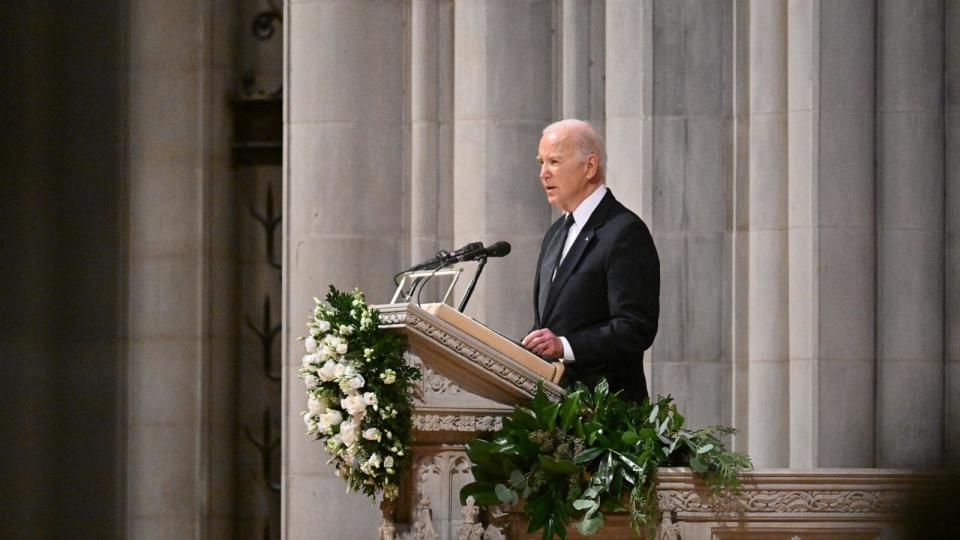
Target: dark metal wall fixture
[(258, 143), (270, 221), (266, 445), (266, 332)]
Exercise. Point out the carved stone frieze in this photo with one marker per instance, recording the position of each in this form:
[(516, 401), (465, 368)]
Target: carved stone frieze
[(450, 422), (832, 501)]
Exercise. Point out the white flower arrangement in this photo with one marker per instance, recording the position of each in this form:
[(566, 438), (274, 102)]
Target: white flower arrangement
[(359, 393)]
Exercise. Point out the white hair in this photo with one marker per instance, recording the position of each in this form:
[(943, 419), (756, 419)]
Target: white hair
[(586, 139)]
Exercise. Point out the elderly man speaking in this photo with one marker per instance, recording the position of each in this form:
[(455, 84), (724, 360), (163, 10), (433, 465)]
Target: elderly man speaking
[(597, 290)]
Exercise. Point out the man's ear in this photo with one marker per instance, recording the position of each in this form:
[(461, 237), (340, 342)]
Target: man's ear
[(593, 165)]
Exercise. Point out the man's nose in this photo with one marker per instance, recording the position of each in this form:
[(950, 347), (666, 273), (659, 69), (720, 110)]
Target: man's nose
[(543, 170)]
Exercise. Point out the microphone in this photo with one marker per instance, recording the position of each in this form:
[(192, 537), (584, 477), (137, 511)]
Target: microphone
[(444, 258), (497, 249)]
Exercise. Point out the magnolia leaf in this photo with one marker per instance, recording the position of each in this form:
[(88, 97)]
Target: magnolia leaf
[(590, 526), (505, 494), (548, 419), (653, 414), (583, 504), (516, 477), (569, 410), (588, 455), (698, 465), (591, 492), (705, 448), (482, 492), (630, 438), (557, 466)]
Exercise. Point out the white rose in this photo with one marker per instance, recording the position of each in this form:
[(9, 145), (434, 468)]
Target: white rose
[(354, 405), (348, 433), (328, 371), (346, 330), (370, 398), (332, 417), (342, 347), (340, 370), (371, 434), (311, 345), (309, 359), (323, 326), (311, 381), (357, 382), (388, 462), (315, 405), (389, 376), (374, 460)]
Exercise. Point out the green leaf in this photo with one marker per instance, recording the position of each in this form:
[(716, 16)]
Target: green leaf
[(705, 448), (557, 466), (630, 438), (698, 465), (505, 494), (569, 410), (588, 455), (482, 492), (590, 526), (517, 478), (583, 504), (653, 414), (600, 393), (549, 417)]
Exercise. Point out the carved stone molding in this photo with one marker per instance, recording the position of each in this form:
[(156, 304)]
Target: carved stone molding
[(450, 422), (783, 502)]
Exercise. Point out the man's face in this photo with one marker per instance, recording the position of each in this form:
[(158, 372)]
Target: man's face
[(565, 178)]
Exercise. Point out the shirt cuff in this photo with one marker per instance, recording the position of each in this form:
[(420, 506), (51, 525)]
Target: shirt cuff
[(567, 351)]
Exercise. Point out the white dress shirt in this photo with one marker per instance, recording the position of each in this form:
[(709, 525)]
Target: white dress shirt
[(581, 214)]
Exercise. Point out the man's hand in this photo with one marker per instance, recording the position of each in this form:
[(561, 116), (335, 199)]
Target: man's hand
[(545, 343)]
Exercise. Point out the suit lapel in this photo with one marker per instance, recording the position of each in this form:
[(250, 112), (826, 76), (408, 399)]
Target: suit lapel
[(586, 237)]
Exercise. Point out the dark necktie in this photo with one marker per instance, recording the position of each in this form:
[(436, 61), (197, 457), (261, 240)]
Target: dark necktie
[(551, 260)]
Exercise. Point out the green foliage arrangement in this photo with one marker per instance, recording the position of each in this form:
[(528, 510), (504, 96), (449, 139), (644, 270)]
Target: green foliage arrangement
[(593, 452)]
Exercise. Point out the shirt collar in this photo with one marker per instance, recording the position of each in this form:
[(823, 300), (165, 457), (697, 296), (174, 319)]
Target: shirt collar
[(583, 212)]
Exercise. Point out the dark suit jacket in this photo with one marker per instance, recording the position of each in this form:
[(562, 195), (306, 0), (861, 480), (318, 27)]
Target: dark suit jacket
[(605, 298)]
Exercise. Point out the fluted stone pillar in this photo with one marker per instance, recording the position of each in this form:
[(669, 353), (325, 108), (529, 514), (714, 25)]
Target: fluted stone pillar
[(832, 237), (583, 61), (767, 318), (431, 119), (669, 135), (628, 96), (181, 352), (343, 214), (910, 241), (503, 88), (952, 213)]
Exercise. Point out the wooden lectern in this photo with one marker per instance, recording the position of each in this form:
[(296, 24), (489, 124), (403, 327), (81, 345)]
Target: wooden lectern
[(472, 377)]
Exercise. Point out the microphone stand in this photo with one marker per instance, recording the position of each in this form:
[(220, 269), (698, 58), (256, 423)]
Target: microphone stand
[(473, 284)]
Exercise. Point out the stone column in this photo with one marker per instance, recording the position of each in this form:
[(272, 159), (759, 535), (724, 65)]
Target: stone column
[(582, 62), (503, 83), (628, 96), (952, 213), (832, 237), (910, 241), (431, 140), (181, 317), (344, 137), (767, 317), (691, 141)]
